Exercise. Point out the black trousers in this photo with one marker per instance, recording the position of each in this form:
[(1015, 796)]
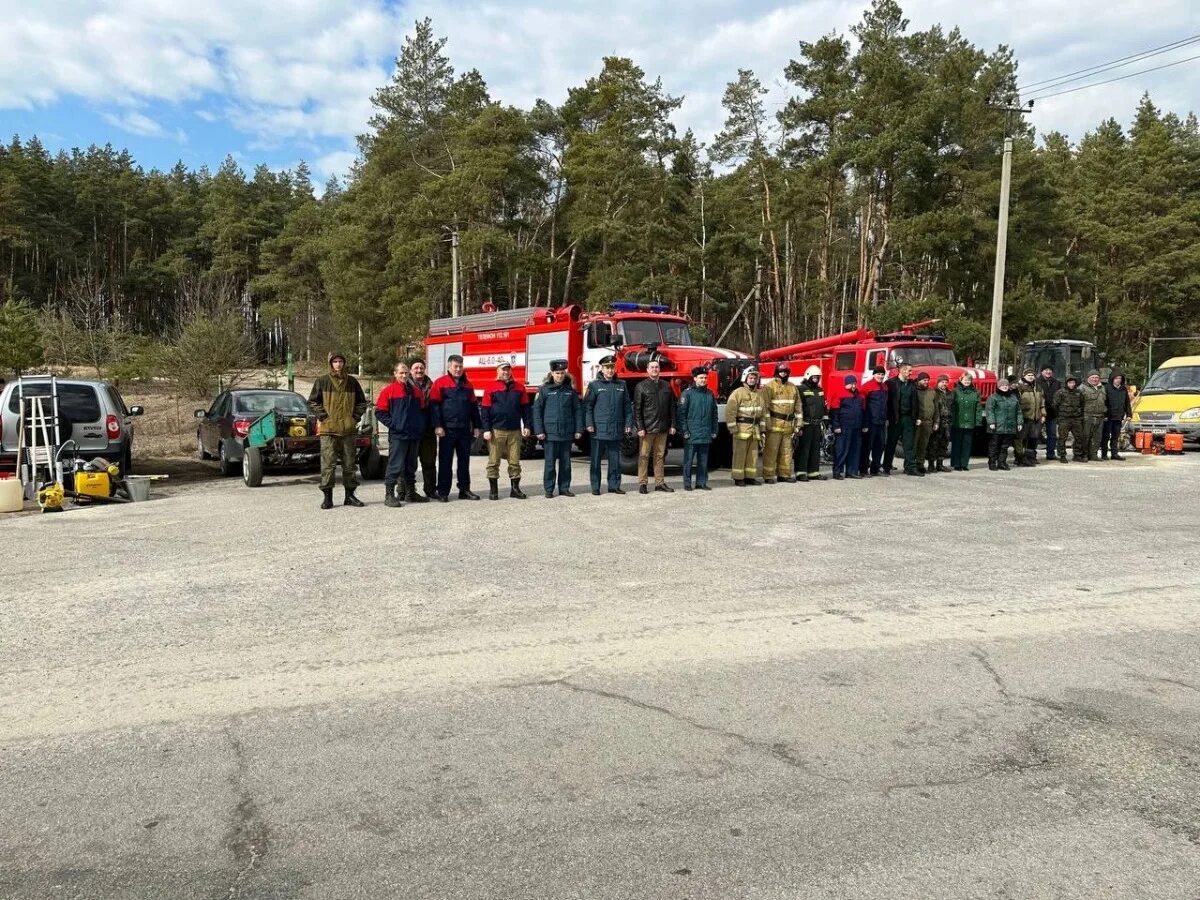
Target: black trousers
[(1110, 441), (889, 445), (808, 453), (998, 445), (427, 453), (402, 461)]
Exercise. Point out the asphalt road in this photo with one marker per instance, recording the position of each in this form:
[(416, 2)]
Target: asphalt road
[(979, 685)]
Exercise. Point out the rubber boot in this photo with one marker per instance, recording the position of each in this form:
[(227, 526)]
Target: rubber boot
[(411, 495), (327, 503), (493, 488), (389, 496), (350, 499), (515, 490)]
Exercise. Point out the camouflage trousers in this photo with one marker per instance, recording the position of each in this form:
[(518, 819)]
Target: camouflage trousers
[(939, 444), (337, 448)]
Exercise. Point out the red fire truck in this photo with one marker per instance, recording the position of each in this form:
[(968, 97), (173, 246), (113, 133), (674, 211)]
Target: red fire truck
[(858, 352), (528, 338)]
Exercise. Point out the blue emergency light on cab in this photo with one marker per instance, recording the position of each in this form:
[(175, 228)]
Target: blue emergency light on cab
[(627, 306)]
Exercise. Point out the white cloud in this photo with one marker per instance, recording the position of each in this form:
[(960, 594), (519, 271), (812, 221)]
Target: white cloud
[(141, 124), (306, 70)]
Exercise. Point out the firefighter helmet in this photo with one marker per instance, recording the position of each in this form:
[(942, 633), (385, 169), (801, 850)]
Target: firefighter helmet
[(812, 371)]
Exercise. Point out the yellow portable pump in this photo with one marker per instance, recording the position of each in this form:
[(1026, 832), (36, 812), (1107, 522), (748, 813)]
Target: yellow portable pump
[(92, 480)]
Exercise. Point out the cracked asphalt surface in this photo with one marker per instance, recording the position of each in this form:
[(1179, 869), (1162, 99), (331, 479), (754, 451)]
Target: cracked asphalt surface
[(979, 685)]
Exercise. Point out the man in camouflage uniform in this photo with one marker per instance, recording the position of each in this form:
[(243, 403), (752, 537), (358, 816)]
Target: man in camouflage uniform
[(1033, 417), (939, 440), (1095, 409), (784, 419), (1068, 404), (745, 417)]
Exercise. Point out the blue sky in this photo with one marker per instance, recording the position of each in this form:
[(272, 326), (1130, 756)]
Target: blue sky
[(173, 81)]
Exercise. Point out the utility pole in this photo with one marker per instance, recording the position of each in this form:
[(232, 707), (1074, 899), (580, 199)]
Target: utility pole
[(993, 362), (454, 272), (1001, 251)]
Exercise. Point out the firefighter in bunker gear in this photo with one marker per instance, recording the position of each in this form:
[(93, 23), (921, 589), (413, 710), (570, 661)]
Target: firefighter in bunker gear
[(745, 416), (784, 418)]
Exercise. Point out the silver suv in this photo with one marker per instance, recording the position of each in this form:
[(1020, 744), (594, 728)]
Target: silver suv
[(91, 413)]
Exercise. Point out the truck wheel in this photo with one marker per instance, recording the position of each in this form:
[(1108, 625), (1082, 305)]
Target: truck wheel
[(252, 466), (371, 464)]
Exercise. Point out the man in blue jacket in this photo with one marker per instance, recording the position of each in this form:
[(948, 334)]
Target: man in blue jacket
[(456, 423), (876, 397), (608, 416), (848, 425), (558, 423), (400, 407), (505, 415), (697, 417)]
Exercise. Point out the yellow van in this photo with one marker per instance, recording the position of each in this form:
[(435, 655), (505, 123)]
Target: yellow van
[(1170, 401)]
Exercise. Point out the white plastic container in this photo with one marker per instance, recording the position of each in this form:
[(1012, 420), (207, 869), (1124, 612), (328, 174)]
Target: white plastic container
[(12, 495)]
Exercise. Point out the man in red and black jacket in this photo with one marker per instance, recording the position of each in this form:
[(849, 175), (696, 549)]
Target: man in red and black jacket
[(506, 419), (401, 407), (455, 413)]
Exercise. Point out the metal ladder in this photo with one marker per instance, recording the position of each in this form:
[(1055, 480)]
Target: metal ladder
[(39, 438)]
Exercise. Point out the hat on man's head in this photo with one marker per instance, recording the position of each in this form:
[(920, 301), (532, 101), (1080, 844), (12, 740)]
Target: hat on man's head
[(922, 376), (609, 360), (850, 379), (879, 370), (699, 370), (558, 365)]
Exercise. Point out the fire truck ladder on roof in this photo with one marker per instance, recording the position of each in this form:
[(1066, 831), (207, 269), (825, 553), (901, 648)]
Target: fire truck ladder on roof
[(39, 437), (501, 318)]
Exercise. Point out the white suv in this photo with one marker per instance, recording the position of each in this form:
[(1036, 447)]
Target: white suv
[(91, 413)]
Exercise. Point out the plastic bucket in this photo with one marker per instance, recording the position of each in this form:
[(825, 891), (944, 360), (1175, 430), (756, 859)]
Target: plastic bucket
[(12, 494), (138, 487)]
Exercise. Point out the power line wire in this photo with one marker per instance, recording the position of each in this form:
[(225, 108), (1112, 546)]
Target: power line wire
[(1101, 68), (1084, 87)]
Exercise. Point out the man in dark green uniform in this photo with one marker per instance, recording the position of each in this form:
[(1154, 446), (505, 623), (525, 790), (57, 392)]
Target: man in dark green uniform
[(1095, 409), (939, 440), (1068, 406), (925, 421)]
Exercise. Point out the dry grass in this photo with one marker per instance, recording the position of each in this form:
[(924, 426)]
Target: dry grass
[(168, 428)]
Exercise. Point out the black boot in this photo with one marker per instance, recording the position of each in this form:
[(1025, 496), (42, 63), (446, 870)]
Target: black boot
[(411, 495), (493, 488), (565, 493), (327, 503), (389, 496), (1004, 465), (467, 494), (515, 491), (350, 499)]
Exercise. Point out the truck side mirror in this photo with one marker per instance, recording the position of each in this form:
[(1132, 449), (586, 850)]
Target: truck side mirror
[(617, 342)]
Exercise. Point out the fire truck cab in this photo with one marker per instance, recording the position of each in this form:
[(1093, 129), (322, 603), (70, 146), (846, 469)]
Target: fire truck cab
[(528, 338)]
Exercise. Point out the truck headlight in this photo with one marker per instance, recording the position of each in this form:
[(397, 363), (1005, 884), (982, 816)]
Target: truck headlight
[(1189, 415)]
